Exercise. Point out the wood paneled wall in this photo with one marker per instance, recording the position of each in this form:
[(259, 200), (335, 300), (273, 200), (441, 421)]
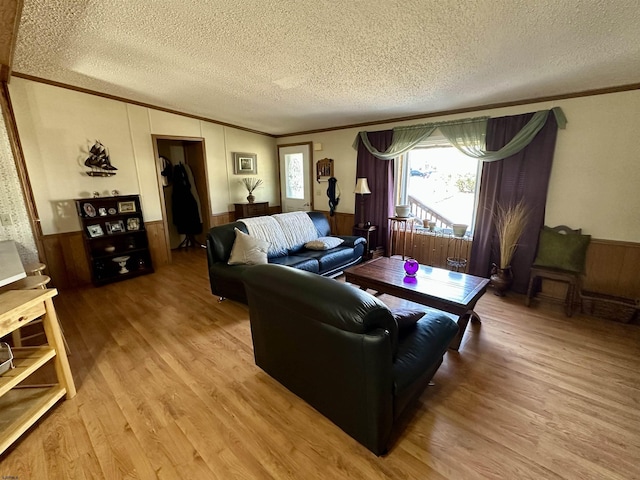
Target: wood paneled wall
[(67, 263), (66, 260), (434, 249), (157, 243), (612, 267)]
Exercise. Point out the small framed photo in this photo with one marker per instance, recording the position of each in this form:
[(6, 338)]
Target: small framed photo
[(245, 163), (102, 212), (127, 207), (114, 227), (95, 230), (133, 223)]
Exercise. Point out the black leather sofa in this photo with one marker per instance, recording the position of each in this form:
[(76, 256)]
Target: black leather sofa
[(226, 280), (340, 349)]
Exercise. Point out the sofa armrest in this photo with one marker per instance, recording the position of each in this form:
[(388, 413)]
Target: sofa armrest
[(350, 240)]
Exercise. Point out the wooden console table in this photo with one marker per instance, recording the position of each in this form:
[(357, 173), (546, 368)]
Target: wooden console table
[(22, 405), (248, 210)]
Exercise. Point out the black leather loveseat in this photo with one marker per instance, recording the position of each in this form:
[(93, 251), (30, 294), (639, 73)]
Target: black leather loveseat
[(226, 280), (341, 350)]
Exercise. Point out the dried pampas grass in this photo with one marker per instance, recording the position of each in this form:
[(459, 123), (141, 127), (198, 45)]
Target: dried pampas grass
[(510, 222), (251, 183)]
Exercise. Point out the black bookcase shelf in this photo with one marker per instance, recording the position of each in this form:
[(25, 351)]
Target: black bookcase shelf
[(113, 229)]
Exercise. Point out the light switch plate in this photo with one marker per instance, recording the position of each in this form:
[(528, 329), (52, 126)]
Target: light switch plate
[(5, 219)]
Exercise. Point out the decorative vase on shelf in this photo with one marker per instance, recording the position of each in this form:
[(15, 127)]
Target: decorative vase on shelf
[(402, 211), (251, 198), (459, 229), (501, 279)]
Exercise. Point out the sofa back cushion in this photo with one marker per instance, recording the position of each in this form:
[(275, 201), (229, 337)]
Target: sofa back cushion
[(268, 228), (328, 301), (321, 223), (298, 229)]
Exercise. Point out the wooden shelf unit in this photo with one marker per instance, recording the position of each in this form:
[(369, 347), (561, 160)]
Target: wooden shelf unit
[(22, 405), (128, 239)]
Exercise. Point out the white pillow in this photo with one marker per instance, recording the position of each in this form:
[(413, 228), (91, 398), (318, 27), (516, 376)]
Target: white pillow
[(323, 243), (248, 250)]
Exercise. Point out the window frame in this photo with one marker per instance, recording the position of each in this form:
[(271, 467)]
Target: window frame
[(402, 168)]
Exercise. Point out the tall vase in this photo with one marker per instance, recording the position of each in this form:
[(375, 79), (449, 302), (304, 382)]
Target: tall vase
[(251, 198), (501, 279)]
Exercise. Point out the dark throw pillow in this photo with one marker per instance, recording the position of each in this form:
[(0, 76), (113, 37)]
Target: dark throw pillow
[(564, 251), (407, 318)]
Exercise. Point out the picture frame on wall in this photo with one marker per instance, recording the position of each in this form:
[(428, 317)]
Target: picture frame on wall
[(245, 163)]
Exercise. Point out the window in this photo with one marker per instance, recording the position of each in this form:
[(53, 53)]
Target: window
[(439, 183), (294, 178)]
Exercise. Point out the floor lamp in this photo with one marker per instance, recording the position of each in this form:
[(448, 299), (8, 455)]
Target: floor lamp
[(362, 189)]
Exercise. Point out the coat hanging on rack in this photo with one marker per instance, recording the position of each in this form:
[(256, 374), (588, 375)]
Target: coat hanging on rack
[(185, 209)]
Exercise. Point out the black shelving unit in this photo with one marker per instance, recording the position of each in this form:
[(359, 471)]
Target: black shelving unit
[(115, 238)]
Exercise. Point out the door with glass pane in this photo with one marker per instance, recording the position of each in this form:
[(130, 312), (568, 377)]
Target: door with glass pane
[(295, 177)]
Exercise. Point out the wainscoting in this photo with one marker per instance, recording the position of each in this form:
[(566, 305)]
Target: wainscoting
[(66, 259), (67, 263), (612, 266)]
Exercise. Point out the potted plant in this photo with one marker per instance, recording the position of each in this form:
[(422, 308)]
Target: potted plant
[(509, 222), (251, 183)]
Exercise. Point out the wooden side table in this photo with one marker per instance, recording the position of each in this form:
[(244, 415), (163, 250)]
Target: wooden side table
[(370, 234), (248, 210), (394, 231)]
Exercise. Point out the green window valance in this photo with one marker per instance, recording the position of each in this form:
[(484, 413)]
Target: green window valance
[(467, 135)]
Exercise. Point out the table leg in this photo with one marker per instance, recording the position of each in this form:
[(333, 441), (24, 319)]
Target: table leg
[(463, 321), (475, 318), (404, 242)]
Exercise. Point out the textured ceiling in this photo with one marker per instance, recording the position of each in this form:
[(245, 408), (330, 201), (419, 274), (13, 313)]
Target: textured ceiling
[(282, 66)]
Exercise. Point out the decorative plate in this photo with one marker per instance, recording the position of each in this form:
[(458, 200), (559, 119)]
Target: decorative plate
[(112, 211), (89, 210)]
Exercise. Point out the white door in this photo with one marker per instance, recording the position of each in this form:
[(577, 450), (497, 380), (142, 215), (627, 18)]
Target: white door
[(295, 177)]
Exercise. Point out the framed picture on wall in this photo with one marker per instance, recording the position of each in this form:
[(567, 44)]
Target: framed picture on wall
[(245, 163)]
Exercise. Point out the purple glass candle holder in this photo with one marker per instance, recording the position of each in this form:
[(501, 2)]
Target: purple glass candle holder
[(411, 267)]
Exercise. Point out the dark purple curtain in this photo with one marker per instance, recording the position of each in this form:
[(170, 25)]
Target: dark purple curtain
[(524, 175), (378, 206)]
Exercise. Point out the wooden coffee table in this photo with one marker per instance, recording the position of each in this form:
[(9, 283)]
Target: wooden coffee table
[(438, 288)]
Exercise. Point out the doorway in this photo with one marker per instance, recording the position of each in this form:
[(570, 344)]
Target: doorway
[(296, 177), (175, 158)]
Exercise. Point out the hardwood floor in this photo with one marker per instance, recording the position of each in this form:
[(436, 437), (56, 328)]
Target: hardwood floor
[(168, 389)]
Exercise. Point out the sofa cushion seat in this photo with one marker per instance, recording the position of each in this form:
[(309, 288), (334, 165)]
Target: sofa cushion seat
[(297, 261), (328, 259)]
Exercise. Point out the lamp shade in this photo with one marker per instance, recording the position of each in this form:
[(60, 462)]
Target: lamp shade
[(362, 187)]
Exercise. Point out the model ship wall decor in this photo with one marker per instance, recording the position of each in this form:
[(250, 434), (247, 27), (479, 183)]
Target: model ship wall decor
[(99, 161)]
